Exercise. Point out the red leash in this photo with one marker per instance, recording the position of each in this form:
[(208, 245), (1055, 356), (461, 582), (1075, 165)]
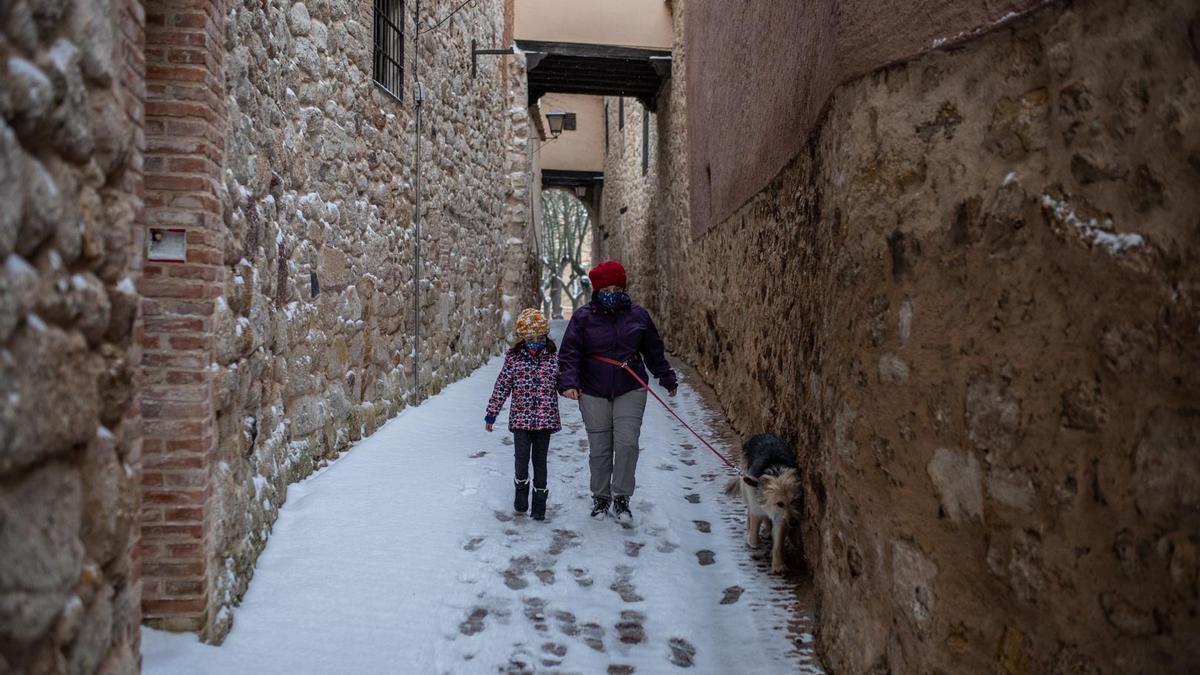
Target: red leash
[(625, 366)]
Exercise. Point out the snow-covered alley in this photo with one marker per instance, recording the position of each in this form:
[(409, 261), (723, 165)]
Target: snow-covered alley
[(404, 556)]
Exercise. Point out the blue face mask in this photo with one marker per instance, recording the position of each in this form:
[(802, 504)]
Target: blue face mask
[(536, 346), (611, 299)]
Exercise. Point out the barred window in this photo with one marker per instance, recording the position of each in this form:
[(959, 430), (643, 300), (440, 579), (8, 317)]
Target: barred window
[(388, 65)]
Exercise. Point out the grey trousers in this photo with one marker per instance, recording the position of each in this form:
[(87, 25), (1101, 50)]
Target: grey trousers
[(613, 429)]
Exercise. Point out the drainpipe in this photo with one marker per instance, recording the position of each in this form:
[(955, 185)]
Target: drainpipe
[(419, 99)]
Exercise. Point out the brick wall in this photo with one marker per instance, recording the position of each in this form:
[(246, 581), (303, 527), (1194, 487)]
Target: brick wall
[(185, 128)]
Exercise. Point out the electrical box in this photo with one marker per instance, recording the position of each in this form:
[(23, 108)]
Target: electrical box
[(167, 244)]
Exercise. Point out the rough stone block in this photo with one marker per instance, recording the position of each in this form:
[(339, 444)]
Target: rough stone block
[(912, 585), (49, 402), (40, 552), (958, 481)]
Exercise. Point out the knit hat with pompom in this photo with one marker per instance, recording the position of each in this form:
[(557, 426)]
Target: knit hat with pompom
[(532, 324)]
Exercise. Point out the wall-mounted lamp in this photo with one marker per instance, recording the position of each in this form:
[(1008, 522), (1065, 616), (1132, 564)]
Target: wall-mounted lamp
[(555, 120)]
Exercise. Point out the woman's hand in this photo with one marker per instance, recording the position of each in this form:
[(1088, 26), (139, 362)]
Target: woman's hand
[(572, 394), (487, 426)]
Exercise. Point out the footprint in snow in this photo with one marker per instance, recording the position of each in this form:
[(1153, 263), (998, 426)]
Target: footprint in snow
[(620, 669), (703, 526), (682, 652), (632, 548), (503, 516), (732, 595), (593, 636), (514, 576), (694, 498), (630, 628), (473, 544), (706, 557), (566, 623), (623, 586), (479, 454), (474, 622), (535, 612), (563, 539), (581, 577), (545, 576), (506, 440)]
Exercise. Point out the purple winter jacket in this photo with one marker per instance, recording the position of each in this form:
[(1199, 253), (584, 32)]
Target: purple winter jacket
[(626, 332)]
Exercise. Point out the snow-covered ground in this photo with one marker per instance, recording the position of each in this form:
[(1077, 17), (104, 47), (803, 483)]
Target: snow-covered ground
[(404, 556)]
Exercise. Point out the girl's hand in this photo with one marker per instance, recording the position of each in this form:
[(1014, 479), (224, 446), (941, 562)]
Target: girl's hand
[(487, 426), (572, 394)]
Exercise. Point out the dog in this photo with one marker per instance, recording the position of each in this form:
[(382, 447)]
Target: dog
[(770, 486)]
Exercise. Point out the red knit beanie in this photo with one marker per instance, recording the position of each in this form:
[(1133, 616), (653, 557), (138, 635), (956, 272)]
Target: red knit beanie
[(607, 273)]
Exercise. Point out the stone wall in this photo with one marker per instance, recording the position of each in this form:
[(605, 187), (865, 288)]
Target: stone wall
[(628, 208), (306, 344), (971, 303), (70, 194)]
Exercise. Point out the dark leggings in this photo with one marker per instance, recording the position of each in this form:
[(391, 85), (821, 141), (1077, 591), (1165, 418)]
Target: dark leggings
[(539, 443)]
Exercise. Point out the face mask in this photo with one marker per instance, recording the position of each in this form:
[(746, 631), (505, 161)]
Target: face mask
[(611, 299), (536, 345)]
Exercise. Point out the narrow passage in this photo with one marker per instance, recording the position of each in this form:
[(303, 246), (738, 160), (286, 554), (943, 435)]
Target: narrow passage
[(405, 556)]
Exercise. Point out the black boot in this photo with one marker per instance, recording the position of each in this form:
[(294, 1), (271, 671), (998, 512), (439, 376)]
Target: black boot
[(521, 501), (599, 507), (621, 509), (539, 503)]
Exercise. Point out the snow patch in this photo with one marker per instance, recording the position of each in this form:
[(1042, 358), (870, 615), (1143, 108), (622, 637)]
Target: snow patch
[(27, 71), (16, 266), (1094, 231), (125, 285), (36, 323)]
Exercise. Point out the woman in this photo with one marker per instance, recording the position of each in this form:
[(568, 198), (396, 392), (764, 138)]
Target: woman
[(611, 401)]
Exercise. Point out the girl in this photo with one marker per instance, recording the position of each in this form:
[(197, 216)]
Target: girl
[(530, 375)]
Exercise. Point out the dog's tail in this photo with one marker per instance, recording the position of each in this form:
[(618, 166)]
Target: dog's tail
[(733, 487)]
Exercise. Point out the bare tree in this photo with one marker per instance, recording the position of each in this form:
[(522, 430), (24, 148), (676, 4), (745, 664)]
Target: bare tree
[(566, 228)]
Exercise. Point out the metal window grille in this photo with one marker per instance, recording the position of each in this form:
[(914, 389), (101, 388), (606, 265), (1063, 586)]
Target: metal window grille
[(621, 113), (645, 140), (569, 122), (388, 65)]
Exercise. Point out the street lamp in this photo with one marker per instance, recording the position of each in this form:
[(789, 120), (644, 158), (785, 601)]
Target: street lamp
[(555, 120)]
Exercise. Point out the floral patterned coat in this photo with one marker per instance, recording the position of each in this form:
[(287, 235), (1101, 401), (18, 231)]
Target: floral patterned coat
[(532, 382)]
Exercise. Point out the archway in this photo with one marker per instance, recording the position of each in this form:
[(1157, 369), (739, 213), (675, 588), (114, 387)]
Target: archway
[(567, 229)]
